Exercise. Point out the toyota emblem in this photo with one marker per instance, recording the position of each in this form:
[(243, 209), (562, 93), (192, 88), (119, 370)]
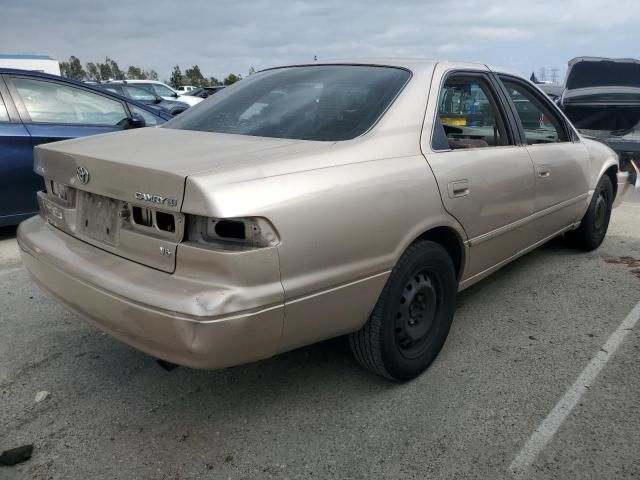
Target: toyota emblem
[(83, 175)]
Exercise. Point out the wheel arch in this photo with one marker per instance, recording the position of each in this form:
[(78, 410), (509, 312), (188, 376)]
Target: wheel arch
[(612, 171), (449, 239)]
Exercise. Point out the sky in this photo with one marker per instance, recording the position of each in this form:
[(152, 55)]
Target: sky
[(225, 36)]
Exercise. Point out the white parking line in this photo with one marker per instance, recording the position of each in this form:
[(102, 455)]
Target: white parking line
[(550, 425)]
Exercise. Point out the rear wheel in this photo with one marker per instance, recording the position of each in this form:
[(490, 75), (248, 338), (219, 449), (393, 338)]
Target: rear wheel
[(593, 227), (412, 317)]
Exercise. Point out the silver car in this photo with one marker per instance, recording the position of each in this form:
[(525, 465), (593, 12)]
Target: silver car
[(312, 201)]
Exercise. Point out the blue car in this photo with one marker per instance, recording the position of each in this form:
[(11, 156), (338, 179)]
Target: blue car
[(38, 108)]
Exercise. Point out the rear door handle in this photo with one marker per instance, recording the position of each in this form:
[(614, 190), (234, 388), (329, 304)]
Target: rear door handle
[(544, 171), (459, 188)]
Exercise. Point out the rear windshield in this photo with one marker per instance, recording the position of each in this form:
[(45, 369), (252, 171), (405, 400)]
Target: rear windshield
[(604, 74), (330, 102)]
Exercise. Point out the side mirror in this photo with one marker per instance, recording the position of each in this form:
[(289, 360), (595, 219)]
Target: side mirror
[(157, 100), (136, 121)]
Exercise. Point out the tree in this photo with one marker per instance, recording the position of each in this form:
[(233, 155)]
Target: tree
[(136, 73), (176, 79), (115, 71), (214, 82), (152, 75), (105, 71), (232, 78), (73, 69), (193, 76), (93, 72)]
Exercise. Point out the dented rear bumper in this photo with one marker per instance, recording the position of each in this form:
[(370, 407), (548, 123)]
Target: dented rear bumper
[(223, 320)]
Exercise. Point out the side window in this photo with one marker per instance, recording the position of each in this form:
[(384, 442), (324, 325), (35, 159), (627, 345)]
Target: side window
[(140, 93), (150, 120), (539, 123), (50, 102), (161, 90), (469, 115), (4, 115)]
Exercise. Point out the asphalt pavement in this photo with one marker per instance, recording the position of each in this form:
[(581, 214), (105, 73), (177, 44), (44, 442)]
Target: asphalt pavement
[(519, 343)]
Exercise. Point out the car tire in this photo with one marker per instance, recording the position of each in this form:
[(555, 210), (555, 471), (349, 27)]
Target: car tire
[(411, 320), (593, 226)]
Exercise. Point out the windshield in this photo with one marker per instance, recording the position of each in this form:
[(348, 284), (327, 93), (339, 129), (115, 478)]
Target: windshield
[(605, 73), (329, 102)]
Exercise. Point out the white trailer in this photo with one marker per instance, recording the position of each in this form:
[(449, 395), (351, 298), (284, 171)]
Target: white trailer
[(38, 63)]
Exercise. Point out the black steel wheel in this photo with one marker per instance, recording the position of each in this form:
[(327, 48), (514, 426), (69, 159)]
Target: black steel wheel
[(416, 313), (412, 317), (593, 227)]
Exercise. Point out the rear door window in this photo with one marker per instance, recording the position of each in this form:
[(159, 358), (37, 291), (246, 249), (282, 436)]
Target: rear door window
[(52, 102), (469, 114), (539, 123)]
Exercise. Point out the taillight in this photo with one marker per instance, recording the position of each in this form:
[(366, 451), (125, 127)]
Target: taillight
[(247, 232)]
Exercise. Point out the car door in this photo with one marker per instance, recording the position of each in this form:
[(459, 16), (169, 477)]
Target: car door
[(16, 164), (486, 180), (561, 162)]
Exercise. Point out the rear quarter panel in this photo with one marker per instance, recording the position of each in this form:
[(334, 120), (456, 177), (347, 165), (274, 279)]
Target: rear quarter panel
[(601, 158), (342, 229)]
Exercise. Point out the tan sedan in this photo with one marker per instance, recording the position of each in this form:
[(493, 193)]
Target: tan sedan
[(312, 201)]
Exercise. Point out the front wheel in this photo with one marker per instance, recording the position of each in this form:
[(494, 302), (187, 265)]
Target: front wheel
[(593, 227), (412, 317)]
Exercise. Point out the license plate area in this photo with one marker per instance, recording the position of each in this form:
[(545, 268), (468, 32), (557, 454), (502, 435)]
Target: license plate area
[(108, 224), (98, 217)]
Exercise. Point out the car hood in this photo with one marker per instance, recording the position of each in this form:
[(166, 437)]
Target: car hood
[(158, 161)]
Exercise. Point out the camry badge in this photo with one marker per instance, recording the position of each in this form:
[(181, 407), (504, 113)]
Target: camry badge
[(83, 175), (150, 197)]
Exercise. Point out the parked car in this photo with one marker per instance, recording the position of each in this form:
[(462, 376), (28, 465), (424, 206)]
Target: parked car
[(314, 201), (185, 89), (205, 92), (602, 99), (161, 89), (147, 97), (553, 91), (37, 108)]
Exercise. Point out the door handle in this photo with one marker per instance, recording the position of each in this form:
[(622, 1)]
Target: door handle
[(459, 188), (544, 171)]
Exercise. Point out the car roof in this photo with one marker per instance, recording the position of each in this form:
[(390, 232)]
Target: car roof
[(407, 63), (135, 81), (47, 76)]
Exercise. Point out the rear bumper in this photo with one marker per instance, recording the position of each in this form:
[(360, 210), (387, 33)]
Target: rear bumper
[(197, 330)]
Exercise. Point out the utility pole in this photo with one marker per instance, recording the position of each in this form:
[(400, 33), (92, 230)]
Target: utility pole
[(554, 75), (542, 74)]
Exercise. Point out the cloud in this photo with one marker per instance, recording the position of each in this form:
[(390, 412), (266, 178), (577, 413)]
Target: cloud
[(232, 36)]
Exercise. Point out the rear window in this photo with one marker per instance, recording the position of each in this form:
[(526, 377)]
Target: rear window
[(329, 102), (604, 73)]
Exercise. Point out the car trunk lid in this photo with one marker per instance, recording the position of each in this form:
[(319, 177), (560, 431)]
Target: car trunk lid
[(125, 190)]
